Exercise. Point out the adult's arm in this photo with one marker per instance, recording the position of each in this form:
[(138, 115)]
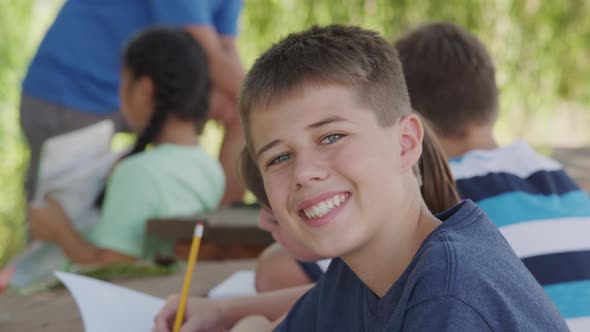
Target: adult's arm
[(209, 26), (225, 67)]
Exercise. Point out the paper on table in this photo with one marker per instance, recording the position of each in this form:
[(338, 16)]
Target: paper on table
[(238, 284), (107, 307)]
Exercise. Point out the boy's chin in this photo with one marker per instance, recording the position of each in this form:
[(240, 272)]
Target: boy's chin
[(299, 251)]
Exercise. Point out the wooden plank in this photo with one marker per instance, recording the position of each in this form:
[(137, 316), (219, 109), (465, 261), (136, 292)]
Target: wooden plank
[(231, 226)]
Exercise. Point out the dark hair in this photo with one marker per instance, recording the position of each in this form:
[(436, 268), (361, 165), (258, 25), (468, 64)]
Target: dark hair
[(450, 77), (177, 66), (348, 56), (438, 186)]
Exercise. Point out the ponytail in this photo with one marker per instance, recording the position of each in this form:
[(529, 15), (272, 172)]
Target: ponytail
[(150, 133), (438, 186)]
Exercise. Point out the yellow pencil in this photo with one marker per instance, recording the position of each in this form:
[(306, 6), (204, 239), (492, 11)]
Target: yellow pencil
[(188, 276)]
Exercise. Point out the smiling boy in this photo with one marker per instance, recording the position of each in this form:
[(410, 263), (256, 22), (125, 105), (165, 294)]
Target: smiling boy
[(328, 122)]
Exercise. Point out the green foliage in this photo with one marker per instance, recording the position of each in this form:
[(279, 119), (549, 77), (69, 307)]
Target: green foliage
[(540, 49), (14, 23)]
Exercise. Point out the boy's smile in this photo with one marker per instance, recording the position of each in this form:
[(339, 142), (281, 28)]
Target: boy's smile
[(318, 210), (328, 167)]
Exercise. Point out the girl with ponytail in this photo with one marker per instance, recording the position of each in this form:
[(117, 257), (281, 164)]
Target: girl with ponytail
[(165, 98)]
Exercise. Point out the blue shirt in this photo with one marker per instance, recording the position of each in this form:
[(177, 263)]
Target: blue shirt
[(542, 213), (78, 62), (464, 277)]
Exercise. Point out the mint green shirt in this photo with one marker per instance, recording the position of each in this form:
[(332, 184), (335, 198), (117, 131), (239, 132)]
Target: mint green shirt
[(167, 181)]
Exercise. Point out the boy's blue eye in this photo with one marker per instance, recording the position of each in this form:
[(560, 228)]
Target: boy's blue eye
[(279, 159), (331, 138)]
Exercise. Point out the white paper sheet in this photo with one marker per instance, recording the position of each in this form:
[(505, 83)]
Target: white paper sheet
[(107, 307), (238, 284)]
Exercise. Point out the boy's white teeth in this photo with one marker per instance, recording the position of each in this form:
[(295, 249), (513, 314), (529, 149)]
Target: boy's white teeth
[(330, 204), (322, 208)]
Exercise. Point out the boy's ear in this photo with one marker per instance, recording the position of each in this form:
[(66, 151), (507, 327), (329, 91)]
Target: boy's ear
[(411, 134)]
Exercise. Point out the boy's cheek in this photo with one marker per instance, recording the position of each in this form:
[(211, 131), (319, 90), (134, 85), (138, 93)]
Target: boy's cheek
[(295, 248), (267, 222)]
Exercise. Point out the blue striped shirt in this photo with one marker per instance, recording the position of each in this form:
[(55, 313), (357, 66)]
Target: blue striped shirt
[(542, 213)]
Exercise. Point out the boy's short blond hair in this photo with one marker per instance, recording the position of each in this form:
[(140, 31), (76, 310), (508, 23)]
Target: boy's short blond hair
[(334, 54)]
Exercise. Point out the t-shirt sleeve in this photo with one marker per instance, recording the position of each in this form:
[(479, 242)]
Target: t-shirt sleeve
[(198, 12), (227, 17), (131, 199), (444, 314), (182, 12)]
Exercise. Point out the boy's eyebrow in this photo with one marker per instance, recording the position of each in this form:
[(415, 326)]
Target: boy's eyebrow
[(267, 147), (324, 122), (314, 125)]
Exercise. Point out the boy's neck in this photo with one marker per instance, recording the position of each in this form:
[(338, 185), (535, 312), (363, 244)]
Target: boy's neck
[(179, 132), (476, 138), (401, 238)]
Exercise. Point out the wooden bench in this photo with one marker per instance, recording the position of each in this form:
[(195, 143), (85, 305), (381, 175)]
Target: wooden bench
[(230, 233)]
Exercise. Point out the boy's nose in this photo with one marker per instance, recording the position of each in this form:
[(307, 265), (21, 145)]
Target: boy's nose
[(308, 169)]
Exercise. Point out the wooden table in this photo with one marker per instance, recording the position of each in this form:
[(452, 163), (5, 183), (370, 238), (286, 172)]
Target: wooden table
[(230, 233), (56, 311), (576, 162)]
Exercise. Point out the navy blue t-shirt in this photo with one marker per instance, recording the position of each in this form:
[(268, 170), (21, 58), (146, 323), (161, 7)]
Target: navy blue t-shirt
[(464, 277)]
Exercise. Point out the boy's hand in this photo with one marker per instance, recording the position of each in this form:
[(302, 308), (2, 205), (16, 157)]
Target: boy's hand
[(201, 315), (47, 220)]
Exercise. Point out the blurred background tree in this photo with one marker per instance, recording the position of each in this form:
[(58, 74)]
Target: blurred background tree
[(15, 23), (540, 49)]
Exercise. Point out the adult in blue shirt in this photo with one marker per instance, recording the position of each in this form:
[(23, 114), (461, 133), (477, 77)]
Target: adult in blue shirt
[(73, 80)]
